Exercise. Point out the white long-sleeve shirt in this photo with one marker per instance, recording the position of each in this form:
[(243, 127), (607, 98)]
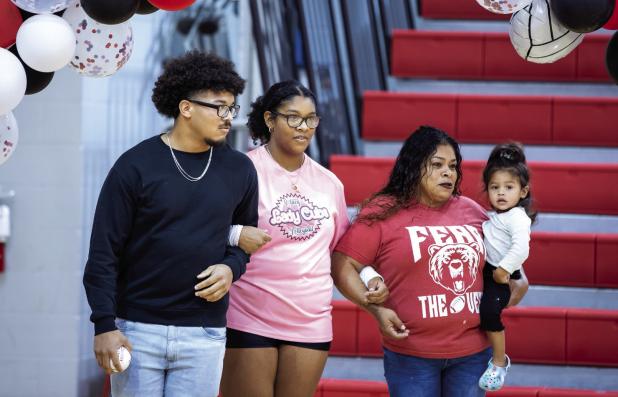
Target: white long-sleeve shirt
[(507, 238)]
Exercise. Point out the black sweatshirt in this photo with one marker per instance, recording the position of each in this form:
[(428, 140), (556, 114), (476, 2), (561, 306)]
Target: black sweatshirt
[(154, 232)]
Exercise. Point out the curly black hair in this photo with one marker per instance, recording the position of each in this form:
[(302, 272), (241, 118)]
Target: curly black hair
[(274, 96), (510, 157), (403, 187), (191, 73)]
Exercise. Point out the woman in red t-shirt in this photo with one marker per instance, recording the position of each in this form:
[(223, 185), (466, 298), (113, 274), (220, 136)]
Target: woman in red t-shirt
[(426, 241)]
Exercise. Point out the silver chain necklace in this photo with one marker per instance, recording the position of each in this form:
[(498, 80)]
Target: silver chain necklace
[(180, 169)]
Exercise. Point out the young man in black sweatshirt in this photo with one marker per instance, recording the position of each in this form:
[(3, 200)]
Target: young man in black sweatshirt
[(159, 267)]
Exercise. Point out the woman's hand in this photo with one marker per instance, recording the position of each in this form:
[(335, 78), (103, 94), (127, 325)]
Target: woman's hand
[(252, 239), (391, 325), (378, 292)]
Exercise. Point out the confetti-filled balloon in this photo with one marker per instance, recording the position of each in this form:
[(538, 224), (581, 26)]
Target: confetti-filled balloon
[(42, 6), (503, 6), (10, 19), (45, 43), (12, 81), (101, 49), (8, 136)]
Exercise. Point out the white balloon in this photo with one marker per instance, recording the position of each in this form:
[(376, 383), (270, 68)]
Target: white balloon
[(12, 81), (539, 37), (101, 49), (45, 42), (42, 6), (503, 6), (9, 136)]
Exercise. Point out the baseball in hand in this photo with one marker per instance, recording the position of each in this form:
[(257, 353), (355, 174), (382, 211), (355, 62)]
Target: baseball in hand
[(124, 357)]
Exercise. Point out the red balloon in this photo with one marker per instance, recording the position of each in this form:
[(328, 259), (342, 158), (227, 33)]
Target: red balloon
[(612, 24), (171, 5), (10, 19)]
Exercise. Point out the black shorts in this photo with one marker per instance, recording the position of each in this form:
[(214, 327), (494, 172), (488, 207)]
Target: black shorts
[(243, 340), (494, 300)]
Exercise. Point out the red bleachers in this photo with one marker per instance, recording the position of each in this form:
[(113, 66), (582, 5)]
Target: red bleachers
[(564, 259), (550, 120), (557, 187), (363, 388), (541, 335), (489, 56), (456, 9), (606, 261), (536, 334), (592, 337), (351, 388)]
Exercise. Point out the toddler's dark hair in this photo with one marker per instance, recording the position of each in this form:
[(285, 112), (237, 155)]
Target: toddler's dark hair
[(510, 157)]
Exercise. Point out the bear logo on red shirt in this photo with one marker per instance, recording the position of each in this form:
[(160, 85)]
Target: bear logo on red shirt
[(454, 266)]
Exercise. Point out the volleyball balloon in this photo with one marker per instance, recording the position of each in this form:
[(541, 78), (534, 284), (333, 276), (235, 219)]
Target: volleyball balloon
[(539, 37)]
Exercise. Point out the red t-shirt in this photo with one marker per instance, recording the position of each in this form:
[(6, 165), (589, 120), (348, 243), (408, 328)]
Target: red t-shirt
[(432, 262)]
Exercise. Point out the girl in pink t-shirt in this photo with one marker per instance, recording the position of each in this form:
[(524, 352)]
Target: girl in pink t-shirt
[(279, 317)]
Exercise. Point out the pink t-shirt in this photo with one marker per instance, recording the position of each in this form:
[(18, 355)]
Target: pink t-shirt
[(431, 260), (287, 290)]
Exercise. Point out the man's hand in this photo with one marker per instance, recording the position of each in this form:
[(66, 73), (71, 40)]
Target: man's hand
[(106, 347), (252, 239), (378, 292), (390, 324), (217, 282), (501, 276)]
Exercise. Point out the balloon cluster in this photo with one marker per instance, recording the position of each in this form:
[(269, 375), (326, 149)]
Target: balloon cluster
[(39, 37), (543, 32)]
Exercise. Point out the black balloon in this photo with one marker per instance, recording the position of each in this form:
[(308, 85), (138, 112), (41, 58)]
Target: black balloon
[(110, 12), (146, 8), (611, 57), (35, 81), (583, 16), (208, 26), (184, 25)]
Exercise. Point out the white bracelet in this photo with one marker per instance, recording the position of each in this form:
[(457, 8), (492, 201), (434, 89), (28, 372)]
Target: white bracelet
[(234, 235), (368, 273)]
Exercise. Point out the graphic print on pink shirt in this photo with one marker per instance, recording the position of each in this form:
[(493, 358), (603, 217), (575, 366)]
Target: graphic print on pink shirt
[(297, 217)]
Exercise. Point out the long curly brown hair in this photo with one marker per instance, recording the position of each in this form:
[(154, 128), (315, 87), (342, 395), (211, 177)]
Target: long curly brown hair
[(403, 187)]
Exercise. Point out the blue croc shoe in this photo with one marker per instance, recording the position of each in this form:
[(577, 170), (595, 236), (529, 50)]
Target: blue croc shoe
[(493, 377)]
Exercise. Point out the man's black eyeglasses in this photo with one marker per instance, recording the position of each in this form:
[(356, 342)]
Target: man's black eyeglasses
[(222, 110), (294, 120)]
